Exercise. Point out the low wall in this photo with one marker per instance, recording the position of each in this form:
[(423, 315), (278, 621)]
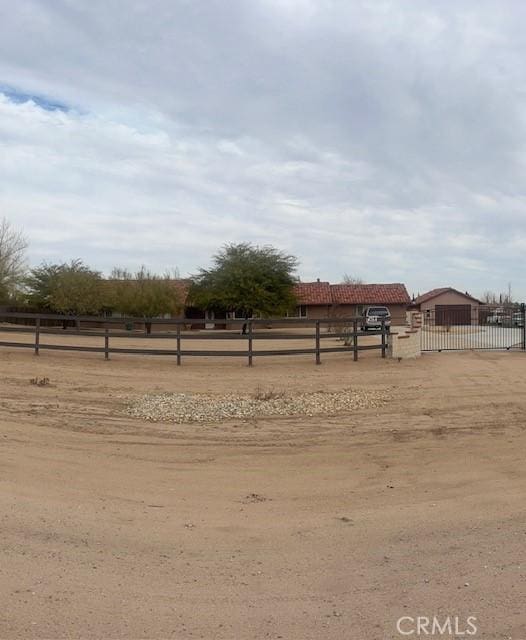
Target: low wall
[(404, 341)]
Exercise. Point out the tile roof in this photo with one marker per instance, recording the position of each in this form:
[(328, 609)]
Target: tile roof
[(394, 293), (323, 293), (313, 292), (436, 292)]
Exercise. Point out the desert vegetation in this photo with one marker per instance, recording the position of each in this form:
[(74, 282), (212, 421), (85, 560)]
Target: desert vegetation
[(243, 279)]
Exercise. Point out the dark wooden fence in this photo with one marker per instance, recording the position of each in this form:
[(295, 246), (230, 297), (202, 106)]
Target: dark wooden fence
[(249, 331)]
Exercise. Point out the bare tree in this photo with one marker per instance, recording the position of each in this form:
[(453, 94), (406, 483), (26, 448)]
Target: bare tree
[(509, 297), (349, 279), (13, 245), (490, 297)]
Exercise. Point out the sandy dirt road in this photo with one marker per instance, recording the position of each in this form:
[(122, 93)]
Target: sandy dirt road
[(329, 528)]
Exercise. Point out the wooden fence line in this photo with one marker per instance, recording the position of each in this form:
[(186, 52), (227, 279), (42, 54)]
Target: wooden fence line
[(248, 335)]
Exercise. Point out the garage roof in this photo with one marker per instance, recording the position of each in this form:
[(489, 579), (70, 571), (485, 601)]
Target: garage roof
[(436, 292)]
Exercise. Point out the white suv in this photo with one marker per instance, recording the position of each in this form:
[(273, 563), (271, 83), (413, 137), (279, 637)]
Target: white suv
[(372, 318)]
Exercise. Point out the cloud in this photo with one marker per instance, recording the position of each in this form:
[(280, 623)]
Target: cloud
[(381, 139), (43, 102)]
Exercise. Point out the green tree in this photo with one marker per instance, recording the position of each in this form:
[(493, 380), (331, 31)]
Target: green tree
[(13, 247), (40, 284), (249, 279), (143, 294), (71, 288)]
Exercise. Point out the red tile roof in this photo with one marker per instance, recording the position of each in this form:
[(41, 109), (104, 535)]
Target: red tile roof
[(395, 293), (323, 293), (436, 292), (313, 292)]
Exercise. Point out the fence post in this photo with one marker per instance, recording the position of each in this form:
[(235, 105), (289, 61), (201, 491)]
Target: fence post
[(250, 352), (37, 336), (383, 338), (178, 345), (318, 358), (523, 313), (355, 339), (106, 344)]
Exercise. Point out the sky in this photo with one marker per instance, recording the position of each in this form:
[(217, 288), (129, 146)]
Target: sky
[(385, 140)]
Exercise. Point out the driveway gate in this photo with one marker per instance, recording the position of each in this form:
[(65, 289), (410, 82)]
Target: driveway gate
[(457, 327)]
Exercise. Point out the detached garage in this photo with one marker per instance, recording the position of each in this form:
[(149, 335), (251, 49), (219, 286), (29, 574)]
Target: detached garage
[(448, 306)]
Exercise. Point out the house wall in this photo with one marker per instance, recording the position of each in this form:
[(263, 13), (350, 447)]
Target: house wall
[(318, 311), (343, 311), (397, 311), (314, 312)]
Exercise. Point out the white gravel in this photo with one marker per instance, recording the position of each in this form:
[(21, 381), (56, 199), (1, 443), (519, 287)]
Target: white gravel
[(186, 407)]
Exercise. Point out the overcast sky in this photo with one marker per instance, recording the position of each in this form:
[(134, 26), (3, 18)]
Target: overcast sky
[(381, 139)]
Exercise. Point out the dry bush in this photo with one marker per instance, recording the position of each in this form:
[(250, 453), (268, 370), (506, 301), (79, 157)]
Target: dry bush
[(268, 394)]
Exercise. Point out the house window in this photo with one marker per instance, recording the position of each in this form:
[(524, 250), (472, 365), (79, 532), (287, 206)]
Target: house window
[(235, 315), (299, 312), (239, 314)]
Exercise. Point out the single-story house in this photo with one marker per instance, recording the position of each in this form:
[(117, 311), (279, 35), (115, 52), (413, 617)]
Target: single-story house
[(448, 306), (315, 300), (325, 300)]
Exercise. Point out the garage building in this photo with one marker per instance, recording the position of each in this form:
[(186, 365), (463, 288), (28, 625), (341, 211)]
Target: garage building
[(448, 306)]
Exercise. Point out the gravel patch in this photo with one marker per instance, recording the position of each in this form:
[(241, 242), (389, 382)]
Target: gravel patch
[(186, 407)]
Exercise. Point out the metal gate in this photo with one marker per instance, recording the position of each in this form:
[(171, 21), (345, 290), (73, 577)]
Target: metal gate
[(456, 327)]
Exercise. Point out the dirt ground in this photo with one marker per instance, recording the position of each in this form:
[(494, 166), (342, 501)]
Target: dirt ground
[(292, 528)]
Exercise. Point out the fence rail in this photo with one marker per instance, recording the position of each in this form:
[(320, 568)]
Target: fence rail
[(348, 329)]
